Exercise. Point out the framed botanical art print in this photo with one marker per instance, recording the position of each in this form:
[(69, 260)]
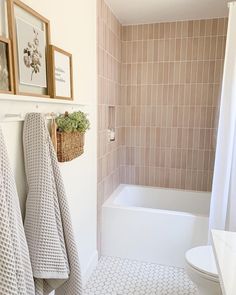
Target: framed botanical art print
[(62, 73), (31, 36), (6, 73), (32, 55)]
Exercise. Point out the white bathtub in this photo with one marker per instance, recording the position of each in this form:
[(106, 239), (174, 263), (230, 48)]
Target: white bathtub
[(154, 224)]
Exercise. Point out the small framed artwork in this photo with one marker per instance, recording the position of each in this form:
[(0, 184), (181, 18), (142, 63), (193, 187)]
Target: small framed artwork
[(31, 36), (6, 72), (62, 73)]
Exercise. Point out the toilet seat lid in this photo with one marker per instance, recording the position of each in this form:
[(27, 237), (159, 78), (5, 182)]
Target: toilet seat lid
[(203, 259)]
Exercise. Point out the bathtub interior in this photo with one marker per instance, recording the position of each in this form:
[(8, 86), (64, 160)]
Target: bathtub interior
[(193, 202)]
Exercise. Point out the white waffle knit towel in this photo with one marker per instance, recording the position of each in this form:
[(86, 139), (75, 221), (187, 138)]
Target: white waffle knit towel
[(15, 269), (48, 226)]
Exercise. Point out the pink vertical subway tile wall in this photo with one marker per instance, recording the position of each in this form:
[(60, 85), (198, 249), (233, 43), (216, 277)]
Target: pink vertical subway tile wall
[(109, 86), (170, 92)]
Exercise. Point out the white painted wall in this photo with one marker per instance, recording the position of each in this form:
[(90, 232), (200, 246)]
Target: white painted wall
[(73, 28), (153, 11)]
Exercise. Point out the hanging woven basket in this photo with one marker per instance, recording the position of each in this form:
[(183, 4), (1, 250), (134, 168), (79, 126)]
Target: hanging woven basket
[(70, 145)]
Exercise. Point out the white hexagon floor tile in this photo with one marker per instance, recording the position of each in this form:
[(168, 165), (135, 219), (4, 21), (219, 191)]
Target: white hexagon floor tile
[(116, 276)]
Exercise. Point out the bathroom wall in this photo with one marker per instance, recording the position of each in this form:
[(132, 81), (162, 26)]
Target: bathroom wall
[(109, 66), (170, 87), (73, 28)]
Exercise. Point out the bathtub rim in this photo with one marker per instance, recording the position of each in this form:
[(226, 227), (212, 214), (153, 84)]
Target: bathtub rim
[(109, 203)]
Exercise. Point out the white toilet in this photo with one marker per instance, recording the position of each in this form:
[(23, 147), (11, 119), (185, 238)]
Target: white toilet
[(201, 268)]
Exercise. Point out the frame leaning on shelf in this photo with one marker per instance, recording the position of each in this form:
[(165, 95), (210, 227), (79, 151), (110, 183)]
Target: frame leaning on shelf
[(30, 33)]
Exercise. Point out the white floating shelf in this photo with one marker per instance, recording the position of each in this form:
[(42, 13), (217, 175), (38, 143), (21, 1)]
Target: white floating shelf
[(13, 108), (34, 99)]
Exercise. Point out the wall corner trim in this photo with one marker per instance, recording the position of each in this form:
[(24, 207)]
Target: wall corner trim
[(92, 264)]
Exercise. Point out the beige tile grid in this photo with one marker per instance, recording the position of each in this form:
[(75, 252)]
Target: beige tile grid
[(182, 119), (170, 117), (109, 66)]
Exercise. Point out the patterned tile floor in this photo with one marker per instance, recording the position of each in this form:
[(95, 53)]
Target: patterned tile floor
[(115, 276)]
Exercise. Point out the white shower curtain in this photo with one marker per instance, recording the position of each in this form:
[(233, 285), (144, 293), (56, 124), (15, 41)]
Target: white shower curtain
[(223, 202)]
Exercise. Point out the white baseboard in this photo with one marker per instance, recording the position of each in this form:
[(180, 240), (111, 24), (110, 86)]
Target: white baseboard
[(90, 268)]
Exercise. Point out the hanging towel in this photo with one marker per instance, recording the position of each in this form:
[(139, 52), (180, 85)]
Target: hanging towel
[(16, 276), (48, 226)]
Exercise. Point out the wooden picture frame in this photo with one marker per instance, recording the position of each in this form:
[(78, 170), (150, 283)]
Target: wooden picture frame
[(20, 12), (8, 65), (61, 77), (5, 20)]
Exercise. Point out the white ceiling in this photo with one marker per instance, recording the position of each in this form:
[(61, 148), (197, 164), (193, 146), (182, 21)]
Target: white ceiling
[(151, 11)]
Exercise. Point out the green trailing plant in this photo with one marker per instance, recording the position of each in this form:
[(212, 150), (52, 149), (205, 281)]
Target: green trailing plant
[(76, 121)]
